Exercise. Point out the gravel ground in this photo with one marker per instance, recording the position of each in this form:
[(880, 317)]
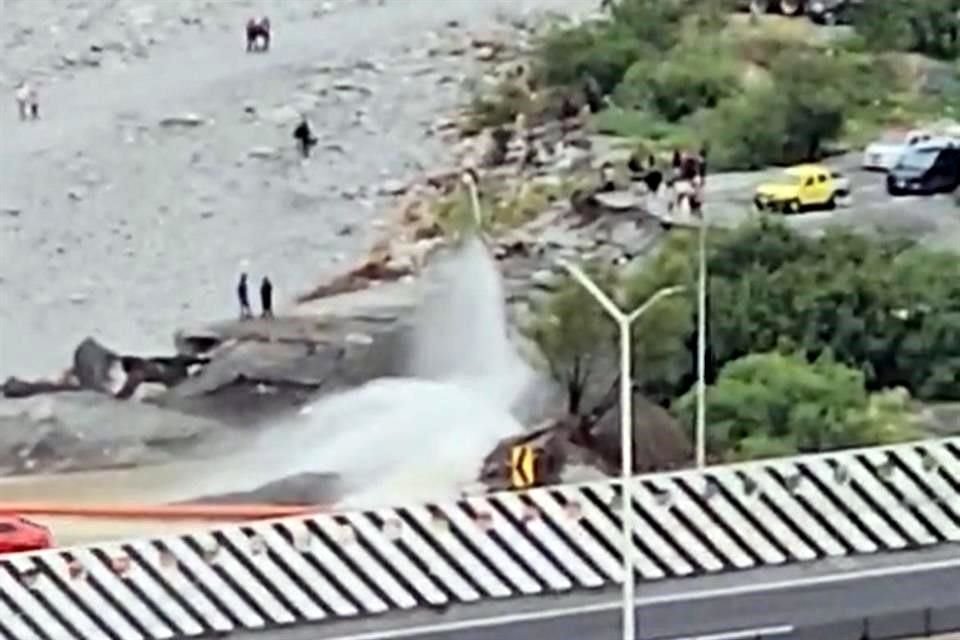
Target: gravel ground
[(116, 226)]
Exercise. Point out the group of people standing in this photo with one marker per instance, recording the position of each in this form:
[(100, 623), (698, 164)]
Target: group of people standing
[(687, 176), (266, 298)]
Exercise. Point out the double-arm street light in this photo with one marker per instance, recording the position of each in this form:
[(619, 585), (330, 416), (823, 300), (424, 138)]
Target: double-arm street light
[(624, 324)]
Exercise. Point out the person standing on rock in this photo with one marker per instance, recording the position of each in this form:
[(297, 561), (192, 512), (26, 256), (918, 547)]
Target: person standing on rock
[(304, 135), (266, 297), (244, 298)]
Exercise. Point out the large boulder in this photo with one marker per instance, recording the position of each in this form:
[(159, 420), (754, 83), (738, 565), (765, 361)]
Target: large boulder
[(659, 441), (95, 366), (556, 450), (301, 489), (258, 370), (88, 430), (14, 387)]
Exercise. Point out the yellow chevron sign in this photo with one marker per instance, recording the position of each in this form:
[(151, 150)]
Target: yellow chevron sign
[(523, 465)]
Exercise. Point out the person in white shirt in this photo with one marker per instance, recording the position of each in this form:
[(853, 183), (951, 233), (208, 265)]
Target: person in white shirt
[(27, 101)]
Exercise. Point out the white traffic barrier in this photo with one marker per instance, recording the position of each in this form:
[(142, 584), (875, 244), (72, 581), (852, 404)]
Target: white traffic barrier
[(553, 539)]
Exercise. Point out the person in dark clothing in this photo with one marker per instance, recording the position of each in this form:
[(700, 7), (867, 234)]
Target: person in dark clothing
[(607, 178), (689, 168), (653, 179), (568, 108), (593, 94), (702, 161), (635, 166), (244, 298), (304, 136), (266, 297)]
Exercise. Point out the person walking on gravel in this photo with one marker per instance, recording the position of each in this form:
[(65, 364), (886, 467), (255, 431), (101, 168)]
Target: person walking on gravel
[(27, 101), (304, 136)]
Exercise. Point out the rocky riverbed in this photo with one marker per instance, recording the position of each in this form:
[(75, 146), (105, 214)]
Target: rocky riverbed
[(153, 238), (157, 172), (129, 210)]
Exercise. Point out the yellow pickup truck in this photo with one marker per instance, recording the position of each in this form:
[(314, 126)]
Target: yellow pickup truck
[(800, 188)]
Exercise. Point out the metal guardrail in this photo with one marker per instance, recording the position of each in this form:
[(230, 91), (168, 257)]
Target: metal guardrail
[(548, 540)]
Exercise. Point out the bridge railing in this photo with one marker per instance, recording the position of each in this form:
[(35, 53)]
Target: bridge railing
[(330, 566)]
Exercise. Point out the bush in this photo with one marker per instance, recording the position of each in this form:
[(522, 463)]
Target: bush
[(636, 29), (775, 404), (884, 306), (748, 131), (930, 27), (690, 79), (502, 209), (579, 341), (603, 52), (789, 121)]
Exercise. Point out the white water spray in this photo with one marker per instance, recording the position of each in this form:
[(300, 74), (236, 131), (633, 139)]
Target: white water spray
[(421, 437)]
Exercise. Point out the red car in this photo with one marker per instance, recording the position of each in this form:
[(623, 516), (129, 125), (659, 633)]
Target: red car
[(19, 534)]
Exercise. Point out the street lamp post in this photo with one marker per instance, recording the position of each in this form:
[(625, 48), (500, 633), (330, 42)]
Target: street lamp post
[(470, 180), (701, 428), (624, 323)]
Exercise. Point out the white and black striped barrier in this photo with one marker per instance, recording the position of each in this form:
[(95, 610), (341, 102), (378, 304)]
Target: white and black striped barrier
[(554, 539)]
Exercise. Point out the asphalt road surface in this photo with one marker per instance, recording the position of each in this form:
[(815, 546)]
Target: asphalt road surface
[(895, 596), (932, 220)]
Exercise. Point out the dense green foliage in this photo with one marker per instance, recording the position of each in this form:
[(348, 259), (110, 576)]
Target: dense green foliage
[(886, 307), (681, 72), (770, 404), (931, 27), (577, 337), (855, 315)]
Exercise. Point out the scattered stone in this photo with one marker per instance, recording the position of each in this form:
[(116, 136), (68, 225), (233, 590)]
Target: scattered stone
[(263, 153), (11, 210), (183, 120), (77, 193), (368, 65), (335, 147), (283, 115), (393, 188), (486, 54), (353, 87), (78, 298), (544, 278)]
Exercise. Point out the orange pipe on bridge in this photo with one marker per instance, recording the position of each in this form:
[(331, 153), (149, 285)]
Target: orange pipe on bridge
[(159, 512)]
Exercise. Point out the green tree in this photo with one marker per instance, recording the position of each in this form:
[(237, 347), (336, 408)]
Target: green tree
[(635, 29), (574, 336), (693, 77), (930, 27), (882, 305), (776, 404), (579, 341)]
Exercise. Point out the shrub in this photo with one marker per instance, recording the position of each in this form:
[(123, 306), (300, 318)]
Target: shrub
[(691, 78), (604, 52), (774, 404), (789, 121), (931, 27)]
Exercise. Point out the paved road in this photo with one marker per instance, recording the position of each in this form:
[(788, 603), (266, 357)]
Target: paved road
[(933, 220), (901, 595)]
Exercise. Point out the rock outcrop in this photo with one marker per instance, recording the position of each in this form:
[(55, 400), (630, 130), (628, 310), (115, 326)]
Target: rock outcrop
[(88, 430)]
